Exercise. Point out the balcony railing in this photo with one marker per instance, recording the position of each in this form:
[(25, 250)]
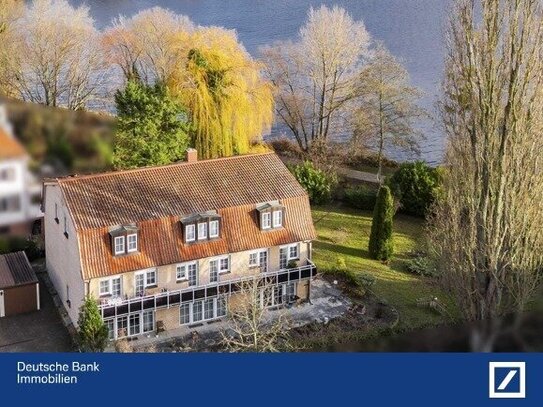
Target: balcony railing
[(170, 298)]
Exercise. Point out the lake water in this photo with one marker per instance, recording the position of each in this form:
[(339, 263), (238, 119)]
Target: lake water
[(411, 29)]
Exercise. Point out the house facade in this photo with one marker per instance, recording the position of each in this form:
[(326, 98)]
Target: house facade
[(20, 194), (167, 247)]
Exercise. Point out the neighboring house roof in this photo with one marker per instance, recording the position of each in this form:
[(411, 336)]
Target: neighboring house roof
[(10, 147), (156, 198), (15, 270)]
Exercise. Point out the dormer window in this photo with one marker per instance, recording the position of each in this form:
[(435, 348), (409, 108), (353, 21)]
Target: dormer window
[(119, 245), (202, 231), (124, 239), (213, 228), (266, 220), (201, 226), (271, 215), (277, 218), (132, 243), (190, 233)]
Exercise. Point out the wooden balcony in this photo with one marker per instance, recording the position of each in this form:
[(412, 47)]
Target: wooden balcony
[(168, 299)]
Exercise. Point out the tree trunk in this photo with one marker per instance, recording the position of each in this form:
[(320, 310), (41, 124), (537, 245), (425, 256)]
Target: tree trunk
[(381, 141), (483, 335)]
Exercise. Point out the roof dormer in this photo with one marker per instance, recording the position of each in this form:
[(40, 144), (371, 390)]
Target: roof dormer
[(271, 215), (200, 227), (124, 239)]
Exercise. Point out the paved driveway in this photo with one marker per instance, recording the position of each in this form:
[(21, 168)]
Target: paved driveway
[(38, 331)]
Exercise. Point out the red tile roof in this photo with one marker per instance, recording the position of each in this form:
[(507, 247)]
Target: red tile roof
[(157, 197), (10, 147)]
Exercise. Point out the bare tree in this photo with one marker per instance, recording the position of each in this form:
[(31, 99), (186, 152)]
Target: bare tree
[(388, 109), (10, 11), (315, 77), (55, 59), (252, 328), (149, 45), (487, 230)]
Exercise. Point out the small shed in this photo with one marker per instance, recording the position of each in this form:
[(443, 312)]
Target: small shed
[(19, 287)]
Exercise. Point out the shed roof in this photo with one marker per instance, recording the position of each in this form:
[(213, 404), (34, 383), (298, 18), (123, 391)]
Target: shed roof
[(15, 270)]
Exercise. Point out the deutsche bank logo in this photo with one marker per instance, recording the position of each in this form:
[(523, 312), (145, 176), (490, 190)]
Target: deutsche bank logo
[(507, 380)]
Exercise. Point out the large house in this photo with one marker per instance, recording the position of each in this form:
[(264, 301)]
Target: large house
[(20, 194), (167, 247)]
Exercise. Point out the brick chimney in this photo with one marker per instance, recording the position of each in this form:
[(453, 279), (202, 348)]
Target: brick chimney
[(192, 155)]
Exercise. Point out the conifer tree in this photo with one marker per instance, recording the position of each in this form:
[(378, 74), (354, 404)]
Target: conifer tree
[(92, 333), (381, 245), (152, 127)]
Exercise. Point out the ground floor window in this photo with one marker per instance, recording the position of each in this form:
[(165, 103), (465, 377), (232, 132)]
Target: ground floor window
[(135, 325), (148, 321), (110, 325), (277, 295), (130, 325), (202, 310)]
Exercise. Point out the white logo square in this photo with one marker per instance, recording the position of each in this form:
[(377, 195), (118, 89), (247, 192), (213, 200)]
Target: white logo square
[(516, 373)]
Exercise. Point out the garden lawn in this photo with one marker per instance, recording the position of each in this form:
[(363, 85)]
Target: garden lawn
[(343, 232)]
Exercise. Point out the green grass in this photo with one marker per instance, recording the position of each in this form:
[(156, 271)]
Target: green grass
[(345, 232)]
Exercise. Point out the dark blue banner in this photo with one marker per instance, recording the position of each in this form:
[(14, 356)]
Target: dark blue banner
[(273, 379)]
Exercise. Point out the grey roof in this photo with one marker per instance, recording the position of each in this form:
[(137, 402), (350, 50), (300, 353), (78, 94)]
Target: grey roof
[(15, 270)]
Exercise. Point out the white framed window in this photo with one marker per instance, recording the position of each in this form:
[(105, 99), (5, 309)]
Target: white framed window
[(105, 287), (286, 253), (150, 277), (190, 233), (224, 265), (181, 272), (148, 321), (132, 243), (145, 279), (116, 287), (294, 252), (277, 219), (184, 314), (110, 286), (202, 231), (134, 324), (203, 310), (265, 220), (197, 311), (259, 259), (192, 270), (209, 308), (213, 271), (253, 259), (214, 228), (122, 326), (110, 325), (119, 245)]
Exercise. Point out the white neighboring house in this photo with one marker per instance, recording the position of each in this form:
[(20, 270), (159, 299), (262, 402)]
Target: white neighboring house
[(20, 193)]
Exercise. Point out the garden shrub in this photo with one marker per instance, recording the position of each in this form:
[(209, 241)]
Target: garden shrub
[(380, 244), (422, 266), (352, 278), (317, 183), (417, 186), (361, 197)]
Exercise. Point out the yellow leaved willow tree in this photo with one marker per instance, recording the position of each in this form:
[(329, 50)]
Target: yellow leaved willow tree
[(230, 104)]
